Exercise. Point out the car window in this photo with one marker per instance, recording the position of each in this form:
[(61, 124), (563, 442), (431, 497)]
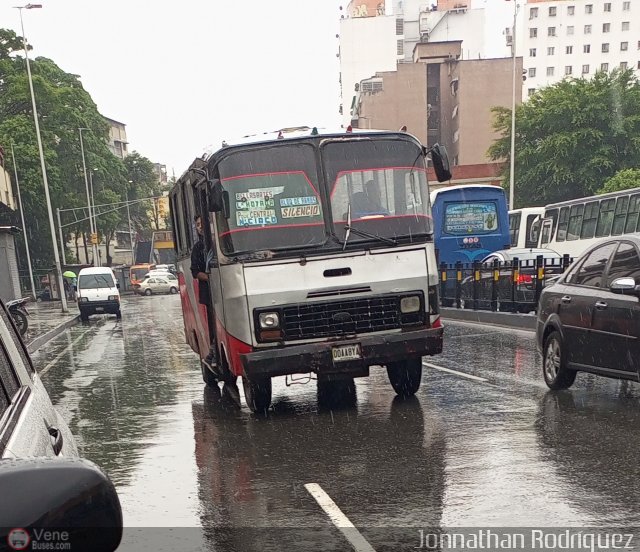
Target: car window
[(26, 360), (591, 271), (162, 281), (9, 383), (625, 264), (96, 281), (151, 281)]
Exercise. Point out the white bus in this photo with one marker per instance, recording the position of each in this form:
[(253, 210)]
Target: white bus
[(523, 229), (571, 227)]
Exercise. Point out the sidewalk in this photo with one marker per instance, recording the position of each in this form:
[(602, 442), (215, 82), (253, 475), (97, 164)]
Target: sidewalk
[(46, 321)]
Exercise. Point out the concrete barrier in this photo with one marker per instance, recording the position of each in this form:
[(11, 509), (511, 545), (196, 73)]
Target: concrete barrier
[(39, 341), (519, 321)]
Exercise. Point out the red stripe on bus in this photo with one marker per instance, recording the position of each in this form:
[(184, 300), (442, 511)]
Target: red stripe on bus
[(255, 175), (270, 227)]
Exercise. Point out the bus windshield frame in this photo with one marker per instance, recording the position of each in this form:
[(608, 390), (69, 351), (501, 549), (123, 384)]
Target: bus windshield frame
[(294, 196)]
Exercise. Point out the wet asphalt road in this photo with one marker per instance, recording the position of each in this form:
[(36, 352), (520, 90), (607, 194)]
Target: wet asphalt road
[(482, 444)]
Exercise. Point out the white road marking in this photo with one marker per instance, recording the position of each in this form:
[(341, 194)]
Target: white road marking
[(61, 353), (455, 372), (338, 518)]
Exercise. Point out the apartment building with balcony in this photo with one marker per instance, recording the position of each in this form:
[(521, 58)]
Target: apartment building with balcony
[(118, 143), (577, 38)]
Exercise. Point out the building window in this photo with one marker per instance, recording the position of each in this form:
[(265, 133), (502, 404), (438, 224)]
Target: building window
[(568, 70), (606, 27), (626, 6), (533, 13), (623, 65), (551, 31), (553, 11), (586, 48), (571, 10), (587, 29), (569, 50), (570, 30), (550, 71), (533, 33), (532, 52), (531, 91), (399, 26), (604, 67), (588, 8), (532, 72), (585, 69), (400, 47), (624, 46), (551, 50), (605, 48), (625, 25), (607, 6)]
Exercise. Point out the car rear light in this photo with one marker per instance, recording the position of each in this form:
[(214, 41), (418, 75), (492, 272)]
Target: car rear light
[(525, 279)]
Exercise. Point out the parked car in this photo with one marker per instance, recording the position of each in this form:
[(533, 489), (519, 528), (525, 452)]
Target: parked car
[(524, 298), (157, 284), (40, 472), (589, 320), (161, 272), (98, 292)]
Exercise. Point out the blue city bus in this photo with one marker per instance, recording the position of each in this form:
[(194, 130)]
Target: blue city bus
[(470, 222)]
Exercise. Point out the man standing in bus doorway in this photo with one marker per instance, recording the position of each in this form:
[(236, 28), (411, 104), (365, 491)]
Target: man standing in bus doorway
[(199, 271)]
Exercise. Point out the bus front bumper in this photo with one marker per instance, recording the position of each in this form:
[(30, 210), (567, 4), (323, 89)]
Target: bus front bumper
[(318, 357)]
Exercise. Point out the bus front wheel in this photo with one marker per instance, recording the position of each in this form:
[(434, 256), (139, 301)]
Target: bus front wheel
[(405, 376), (257, 393)]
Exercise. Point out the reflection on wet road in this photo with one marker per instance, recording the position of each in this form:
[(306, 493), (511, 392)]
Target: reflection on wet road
[(494, 449)]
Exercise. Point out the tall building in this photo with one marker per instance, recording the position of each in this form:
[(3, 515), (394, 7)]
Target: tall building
[(367, 44), (117, 138), (440, 98), (577, 38), (375, 38)]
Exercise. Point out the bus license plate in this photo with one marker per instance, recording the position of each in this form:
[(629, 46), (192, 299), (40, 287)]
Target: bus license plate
[(346, 352)]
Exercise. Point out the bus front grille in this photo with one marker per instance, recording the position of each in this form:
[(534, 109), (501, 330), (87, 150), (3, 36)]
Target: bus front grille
[(331, 318)]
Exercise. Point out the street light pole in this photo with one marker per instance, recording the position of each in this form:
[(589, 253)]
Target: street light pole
[(133, 261), (512, 170), (93, 214), (52, 227), (24, 228), (94, 247)]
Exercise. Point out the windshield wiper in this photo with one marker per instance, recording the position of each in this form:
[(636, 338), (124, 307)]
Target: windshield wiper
[(348, 229)]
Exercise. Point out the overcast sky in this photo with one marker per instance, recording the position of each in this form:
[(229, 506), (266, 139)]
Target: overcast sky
[(186, 74)]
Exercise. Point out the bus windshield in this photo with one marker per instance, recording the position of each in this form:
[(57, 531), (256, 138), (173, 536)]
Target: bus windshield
[(385, 184), (277, 200), (274, 199)]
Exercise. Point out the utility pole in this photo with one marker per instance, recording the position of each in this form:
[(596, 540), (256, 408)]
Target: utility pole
[(133, 260), (94, 247), (512, 177), (64, 260), (43, 166)]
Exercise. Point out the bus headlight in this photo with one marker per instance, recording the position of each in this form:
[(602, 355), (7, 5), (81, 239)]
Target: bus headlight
[(410, 304), (269, 320)]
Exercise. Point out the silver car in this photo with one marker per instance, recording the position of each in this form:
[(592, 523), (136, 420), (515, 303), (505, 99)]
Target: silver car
[(40, 472), (157, 284)]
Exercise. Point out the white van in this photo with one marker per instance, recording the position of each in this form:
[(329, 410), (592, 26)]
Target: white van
[(98, 292)]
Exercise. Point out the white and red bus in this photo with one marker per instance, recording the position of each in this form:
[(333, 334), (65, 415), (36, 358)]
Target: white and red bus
[(322, 258)]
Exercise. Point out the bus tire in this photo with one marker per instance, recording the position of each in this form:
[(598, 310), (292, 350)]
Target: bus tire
[(257, 393), (405, 376)]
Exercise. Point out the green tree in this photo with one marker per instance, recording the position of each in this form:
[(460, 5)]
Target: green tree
[(571, 137), (622, 180), (63, 107), (143, 183)]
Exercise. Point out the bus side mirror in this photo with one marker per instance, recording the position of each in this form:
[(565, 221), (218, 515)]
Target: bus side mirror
[(219, 199), (440, 160)]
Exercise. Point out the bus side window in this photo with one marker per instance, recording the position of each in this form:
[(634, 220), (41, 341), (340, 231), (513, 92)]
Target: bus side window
[(533, 231), (514, 228), (563, 223), (546, 232)]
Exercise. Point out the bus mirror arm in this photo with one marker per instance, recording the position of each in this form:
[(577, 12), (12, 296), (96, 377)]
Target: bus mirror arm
[(219, 199), (440, 160)]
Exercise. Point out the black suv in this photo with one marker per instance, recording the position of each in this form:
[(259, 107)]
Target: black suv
[(589, 320)]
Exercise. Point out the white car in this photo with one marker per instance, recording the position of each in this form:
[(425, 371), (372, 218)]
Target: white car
[(40, 472), (98, 292), (157, 284)]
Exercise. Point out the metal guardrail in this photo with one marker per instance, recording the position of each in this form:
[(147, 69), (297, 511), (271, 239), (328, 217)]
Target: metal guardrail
[(512, 286)]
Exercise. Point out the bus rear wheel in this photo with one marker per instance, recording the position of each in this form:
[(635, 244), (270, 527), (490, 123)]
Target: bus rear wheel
[(405, 376), (257, 393)]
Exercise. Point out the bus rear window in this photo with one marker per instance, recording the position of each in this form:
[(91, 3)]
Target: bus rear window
[(477, 217)]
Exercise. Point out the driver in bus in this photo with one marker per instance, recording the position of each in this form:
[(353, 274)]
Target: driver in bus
[(199, 271)]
